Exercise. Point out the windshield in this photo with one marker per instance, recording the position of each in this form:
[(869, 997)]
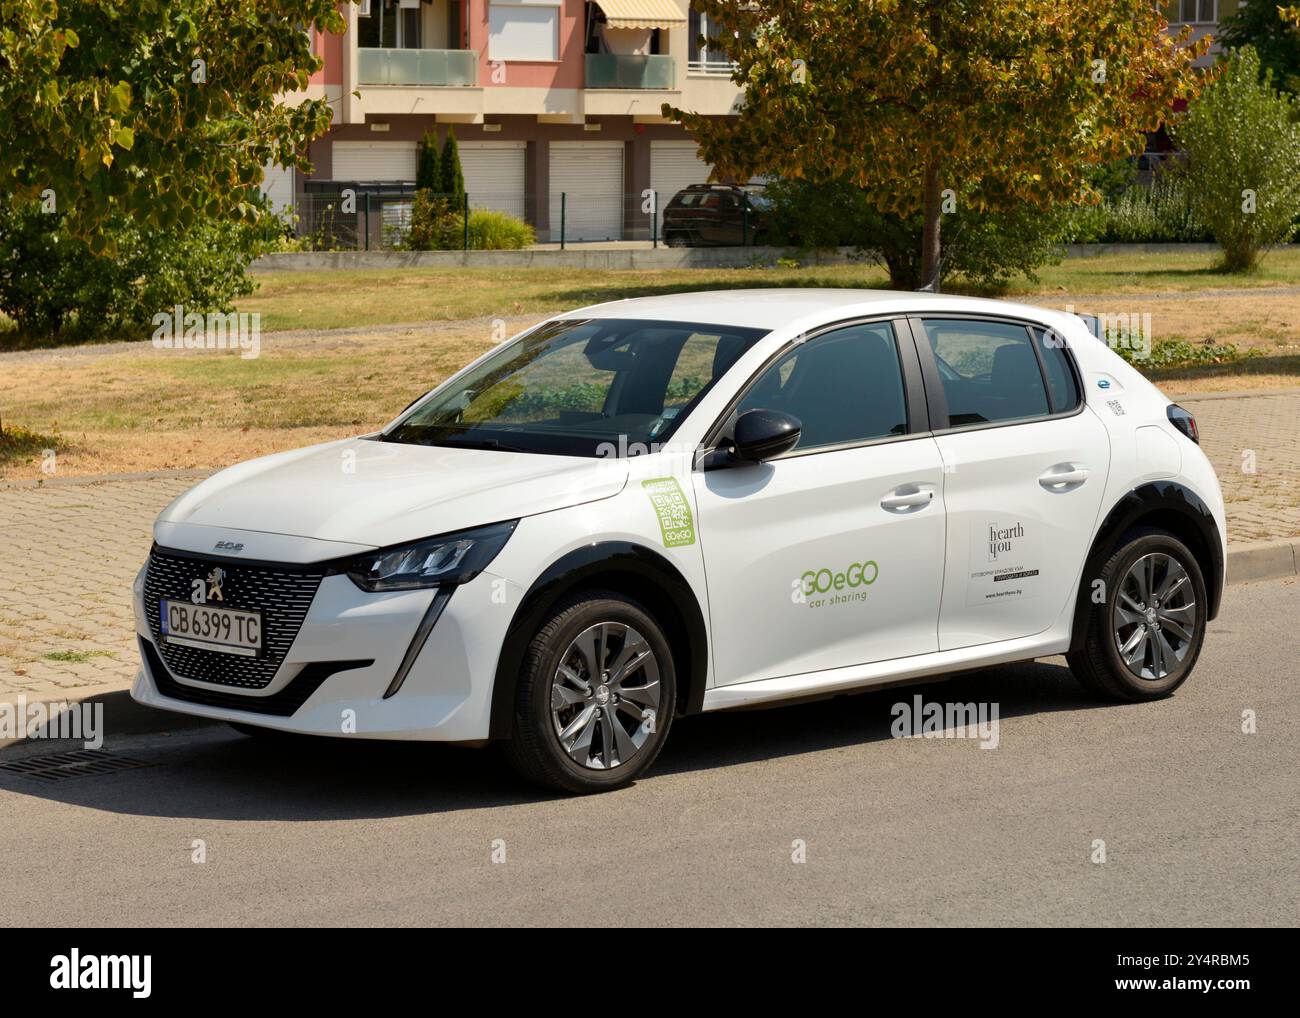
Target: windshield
[(589, 387)]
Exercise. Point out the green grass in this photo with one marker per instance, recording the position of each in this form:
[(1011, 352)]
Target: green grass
[(18, 443), (361, 297), (75, 656)]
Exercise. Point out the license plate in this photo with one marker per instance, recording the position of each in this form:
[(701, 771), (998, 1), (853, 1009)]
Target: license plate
[(228, 630)]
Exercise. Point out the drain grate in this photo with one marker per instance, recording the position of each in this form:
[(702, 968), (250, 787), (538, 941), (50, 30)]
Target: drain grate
[(77, 763)]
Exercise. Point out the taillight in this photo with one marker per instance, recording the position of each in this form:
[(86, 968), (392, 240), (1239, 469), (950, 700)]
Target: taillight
[(1183, 421)]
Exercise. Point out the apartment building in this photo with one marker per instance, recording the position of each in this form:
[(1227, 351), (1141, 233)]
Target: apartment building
[(555, 104), (1203, 16)]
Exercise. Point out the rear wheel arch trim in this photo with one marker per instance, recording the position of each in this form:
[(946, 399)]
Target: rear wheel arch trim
[(584, 567), (1155, 497)]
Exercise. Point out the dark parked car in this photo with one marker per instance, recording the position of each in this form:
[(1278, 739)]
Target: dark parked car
[(722, 215)]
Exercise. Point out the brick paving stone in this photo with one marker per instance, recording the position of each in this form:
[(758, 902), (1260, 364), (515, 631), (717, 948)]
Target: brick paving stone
[(68, 554)]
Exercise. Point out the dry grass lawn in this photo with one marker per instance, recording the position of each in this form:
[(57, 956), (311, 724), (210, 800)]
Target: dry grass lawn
[(127, 407)]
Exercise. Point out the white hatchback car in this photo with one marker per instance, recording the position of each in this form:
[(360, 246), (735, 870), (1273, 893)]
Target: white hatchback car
[(688, 503)]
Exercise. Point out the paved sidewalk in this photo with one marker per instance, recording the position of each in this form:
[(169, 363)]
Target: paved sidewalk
[(69, 551), (1254, 444), (68, 554)]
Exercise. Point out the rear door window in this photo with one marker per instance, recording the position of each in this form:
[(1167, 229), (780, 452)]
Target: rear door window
[(989, 371)]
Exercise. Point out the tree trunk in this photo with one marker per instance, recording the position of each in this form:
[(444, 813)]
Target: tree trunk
[(930, 249)]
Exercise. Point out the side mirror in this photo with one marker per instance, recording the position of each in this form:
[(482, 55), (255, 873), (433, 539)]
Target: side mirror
[(762, 434)]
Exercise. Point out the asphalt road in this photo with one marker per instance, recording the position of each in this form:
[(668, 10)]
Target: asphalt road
[(1199, 820)]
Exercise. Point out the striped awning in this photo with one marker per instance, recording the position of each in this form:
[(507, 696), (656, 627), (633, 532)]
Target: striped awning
[(643, 13)]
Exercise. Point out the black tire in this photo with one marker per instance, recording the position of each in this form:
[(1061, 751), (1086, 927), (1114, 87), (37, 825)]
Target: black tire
[(534, 749), (1098, 664), (675, 239)]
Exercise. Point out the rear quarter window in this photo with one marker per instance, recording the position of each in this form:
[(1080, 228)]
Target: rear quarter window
[(1062, 385)]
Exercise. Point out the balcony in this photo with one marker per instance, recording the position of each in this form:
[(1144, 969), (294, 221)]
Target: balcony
[(446, 67), (629, 70)]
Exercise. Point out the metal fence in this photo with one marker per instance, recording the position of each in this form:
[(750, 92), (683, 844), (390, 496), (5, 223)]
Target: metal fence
[(377, 217)]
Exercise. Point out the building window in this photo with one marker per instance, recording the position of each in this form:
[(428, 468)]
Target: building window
[(1198, 12), (389, 24), (702, 58), (524, 30)]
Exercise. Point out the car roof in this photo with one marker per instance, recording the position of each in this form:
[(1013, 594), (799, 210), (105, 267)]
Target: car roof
[(773, 308)]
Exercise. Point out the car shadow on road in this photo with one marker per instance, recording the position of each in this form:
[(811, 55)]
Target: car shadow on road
[(215, 773)]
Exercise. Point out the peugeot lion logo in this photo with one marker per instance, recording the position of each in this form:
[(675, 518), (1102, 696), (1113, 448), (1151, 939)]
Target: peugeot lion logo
[(209, 590)]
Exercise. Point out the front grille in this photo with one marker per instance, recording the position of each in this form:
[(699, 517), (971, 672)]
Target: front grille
[(283, 703), (282, 595)]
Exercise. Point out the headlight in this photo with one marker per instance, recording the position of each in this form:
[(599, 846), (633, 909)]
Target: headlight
[(433, 562)]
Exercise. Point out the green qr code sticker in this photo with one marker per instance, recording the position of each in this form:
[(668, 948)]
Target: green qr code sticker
[(675, 520)]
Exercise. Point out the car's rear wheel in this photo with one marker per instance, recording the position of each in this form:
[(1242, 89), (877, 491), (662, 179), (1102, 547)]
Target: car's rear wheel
[(596, 696), (1143, 640)]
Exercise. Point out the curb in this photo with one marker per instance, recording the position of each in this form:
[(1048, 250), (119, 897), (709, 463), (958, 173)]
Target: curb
[(1263, 560), (1256, 560), (74, 480)]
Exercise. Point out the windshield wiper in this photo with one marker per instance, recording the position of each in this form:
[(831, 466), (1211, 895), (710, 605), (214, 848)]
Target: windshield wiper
[(494, 444)]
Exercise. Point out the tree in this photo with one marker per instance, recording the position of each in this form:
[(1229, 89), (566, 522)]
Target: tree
[(1243, 148), (428, 167), (452, 177), (1273, 31), (987, 249), (52, 284), (162, 112), (1001, 103)]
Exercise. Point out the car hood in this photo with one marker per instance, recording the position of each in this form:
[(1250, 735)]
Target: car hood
[(364, 492)]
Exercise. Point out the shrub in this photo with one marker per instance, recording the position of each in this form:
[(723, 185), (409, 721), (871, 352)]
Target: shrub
[(1156, 213), (1178, 353), (54, 287), (428, 166), (451, 179), (436, 223), (1243, 148), (986, 249), (498, 231)]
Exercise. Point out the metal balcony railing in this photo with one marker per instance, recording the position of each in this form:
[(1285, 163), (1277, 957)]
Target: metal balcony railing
[(629, 70), (417, 66)]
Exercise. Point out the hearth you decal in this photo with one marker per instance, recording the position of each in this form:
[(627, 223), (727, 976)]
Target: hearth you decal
[(1005, 559)]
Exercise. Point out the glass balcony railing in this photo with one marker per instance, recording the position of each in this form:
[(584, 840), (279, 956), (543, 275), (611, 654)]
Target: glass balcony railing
[(629, 70), (417, 66)]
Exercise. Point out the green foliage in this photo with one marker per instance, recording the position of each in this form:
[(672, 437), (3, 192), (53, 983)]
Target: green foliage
[(53, 286), (1178, 353), (18, 443), (437, 223), (498, 231), (907, 99), (1159, 212), (451, 177), (986, 249), (1243, 146), (1267, 28), (428, 165), (157, 112)]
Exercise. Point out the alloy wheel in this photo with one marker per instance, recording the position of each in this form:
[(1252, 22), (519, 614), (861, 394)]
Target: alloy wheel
[(1154, 622), (605, 695)]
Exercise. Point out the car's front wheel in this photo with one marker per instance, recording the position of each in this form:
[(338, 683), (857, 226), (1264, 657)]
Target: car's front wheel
[(1144, 636), (595, 698)]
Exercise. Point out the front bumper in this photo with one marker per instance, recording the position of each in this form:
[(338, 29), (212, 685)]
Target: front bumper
[(344, 658)]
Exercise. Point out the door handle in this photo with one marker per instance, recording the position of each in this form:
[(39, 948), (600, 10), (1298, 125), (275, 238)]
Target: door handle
[(903, 500), (1063, 477)]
